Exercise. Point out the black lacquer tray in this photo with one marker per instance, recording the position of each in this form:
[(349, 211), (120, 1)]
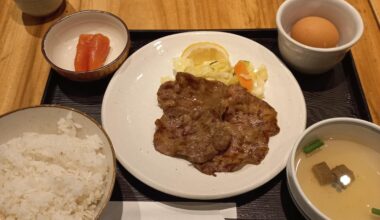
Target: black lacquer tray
[(336, 93)]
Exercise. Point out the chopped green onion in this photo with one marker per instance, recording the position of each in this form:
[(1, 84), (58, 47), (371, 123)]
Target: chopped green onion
[(312, 146), (375, 211)]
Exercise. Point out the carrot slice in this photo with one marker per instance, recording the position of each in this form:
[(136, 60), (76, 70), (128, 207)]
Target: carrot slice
[(92, 51), (241, 70)]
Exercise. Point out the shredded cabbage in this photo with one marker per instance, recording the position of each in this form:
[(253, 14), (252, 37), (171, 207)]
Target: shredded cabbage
[(219, 70), (222, 71)]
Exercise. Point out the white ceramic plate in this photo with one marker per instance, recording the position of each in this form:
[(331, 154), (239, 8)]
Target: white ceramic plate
[(130, 108)]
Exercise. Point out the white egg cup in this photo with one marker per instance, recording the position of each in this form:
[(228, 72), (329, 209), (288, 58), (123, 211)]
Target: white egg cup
[(312, 60)]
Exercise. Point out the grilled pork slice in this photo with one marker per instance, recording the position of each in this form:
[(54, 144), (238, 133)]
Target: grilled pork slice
[(217, 128)]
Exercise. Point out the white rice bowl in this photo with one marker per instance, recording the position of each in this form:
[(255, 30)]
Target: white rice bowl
[(46, 173)]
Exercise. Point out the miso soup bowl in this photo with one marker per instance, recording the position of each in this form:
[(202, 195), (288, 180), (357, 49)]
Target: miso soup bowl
[(357, 130), (312, 60)]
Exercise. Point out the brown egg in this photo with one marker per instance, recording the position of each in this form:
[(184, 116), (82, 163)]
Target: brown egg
[(315, 32)]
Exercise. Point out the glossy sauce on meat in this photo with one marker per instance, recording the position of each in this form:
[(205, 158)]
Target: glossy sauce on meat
[(217, 128)]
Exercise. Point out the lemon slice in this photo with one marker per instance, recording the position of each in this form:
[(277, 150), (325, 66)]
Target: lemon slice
[(205, 51)]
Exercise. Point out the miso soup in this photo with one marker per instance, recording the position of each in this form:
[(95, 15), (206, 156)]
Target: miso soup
[(356, 199)]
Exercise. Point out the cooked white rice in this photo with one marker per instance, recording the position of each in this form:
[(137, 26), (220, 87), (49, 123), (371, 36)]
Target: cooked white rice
[(52, 176)]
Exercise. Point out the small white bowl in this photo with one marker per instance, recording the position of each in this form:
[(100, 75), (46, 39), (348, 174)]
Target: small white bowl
[(44, 118), (60, 41), (356, 130), (38, 8), (314, 60)]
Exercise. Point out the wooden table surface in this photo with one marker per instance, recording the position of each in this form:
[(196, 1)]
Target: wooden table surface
[(24, 72)]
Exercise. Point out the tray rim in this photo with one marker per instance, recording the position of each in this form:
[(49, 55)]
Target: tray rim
[(51, 83)]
